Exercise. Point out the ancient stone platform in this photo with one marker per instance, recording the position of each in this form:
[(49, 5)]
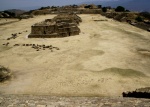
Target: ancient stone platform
[(49, 101), (63, 25)]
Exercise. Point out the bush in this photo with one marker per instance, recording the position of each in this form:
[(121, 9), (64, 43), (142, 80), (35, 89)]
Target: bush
[(127, 10), (4, 73), (99, 6), (145, 14), (104, 9), (87, 6), (139, 19), (120, 9)]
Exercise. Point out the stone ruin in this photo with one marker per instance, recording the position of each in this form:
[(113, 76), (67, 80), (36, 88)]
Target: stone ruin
[(62, 25)]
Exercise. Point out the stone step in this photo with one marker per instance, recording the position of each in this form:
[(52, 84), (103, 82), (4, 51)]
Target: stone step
[(52, 101)]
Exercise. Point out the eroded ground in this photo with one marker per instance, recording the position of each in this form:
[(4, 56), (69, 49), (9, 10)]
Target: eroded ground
[(107, 58)]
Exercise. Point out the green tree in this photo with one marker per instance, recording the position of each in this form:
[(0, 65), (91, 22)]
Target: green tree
[(104, 9), (120, 9), (139, 19), (99, 6), (88, 6), (127, 10)]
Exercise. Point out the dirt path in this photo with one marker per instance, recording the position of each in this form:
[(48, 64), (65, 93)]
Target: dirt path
[(107, 58)]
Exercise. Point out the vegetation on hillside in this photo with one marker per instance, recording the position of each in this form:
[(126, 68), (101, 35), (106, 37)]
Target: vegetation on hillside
[(104, 9), (120, 9)]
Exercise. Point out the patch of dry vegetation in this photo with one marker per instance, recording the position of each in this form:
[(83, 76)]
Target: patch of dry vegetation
[(4, 73)]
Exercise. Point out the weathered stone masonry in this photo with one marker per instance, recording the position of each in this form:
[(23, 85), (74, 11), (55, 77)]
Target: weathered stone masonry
[(62, 25)]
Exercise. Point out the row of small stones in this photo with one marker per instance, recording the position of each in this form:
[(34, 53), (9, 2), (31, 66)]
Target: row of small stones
[(14, 36), (36, 46)]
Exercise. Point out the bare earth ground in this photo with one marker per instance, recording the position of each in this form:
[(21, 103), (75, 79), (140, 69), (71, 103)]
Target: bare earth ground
[(4, 21), (107, 58)]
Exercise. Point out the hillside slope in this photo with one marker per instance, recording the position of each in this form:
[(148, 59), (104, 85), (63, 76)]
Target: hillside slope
[(134, 5), (16, 11)]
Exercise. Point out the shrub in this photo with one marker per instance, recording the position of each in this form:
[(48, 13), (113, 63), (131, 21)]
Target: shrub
[(99, 6), (127, 10), (145, 14), (4, 73), (120, 9), (139, 19), (88, 6), (104, 9)]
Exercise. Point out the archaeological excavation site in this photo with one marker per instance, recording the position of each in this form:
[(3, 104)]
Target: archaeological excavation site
[(72, 56), (62, 25)]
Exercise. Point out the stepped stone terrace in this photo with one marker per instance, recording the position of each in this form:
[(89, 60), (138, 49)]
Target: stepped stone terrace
[(63, 25)]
